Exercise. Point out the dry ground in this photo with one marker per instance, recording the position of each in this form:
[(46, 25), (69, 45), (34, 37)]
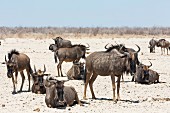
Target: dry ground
[(135, 98)]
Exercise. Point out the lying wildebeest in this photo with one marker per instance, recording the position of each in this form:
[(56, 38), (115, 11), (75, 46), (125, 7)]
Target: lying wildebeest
[(142, 73), (153, 76), (152, 44), (38, 81), (58, 95), (105, 63), (60, 42), (17, 62), (72, 54), (163, 44), (76, 72), (134, 54), (146, 75)]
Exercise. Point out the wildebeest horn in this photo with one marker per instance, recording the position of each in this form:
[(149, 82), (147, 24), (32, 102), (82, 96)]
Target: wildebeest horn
[(106, 46), (44, 69), (35, 69), (138, 48), (51, 79), (88, 45), (150, 65), (5, 59)]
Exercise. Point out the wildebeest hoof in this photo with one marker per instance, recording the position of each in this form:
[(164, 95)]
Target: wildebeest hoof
[(84, 98), (14, 92)]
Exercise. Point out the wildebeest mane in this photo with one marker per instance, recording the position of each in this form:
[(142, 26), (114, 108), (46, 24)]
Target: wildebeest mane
[(12, 52), (115, 47), (77, 45)]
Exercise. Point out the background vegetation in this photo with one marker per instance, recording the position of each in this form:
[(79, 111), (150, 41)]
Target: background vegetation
[(51, 32)]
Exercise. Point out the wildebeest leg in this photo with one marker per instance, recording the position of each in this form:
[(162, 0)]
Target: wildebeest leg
[(59, 68), (167, 50), (23, 78), (28, 74), (88, 75), (14, 90), (118, 87), (93, 78), (113, 86)]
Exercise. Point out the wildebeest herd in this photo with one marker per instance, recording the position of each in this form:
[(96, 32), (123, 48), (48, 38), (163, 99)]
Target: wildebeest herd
[(117, 60)]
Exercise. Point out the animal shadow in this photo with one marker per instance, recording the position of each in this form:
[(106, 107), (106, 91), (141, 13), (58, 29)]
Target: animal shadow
[(131, 101)]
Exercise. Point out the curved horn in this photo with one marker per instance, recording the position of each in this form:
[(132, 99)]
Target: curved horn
[(106, 46), (44, 69), (35, 69), (5, 59), (51, 79), (138, 48), (88, 45), (150, 64)]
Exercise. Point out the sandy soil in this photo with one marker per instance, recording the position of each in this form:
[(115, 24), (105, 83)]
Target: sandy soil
[(135, 98)]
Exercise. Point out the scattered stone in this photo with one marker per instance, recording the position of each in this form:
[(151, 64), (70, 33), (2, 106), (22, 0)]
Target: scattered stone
[(3, 105), (37, 110)]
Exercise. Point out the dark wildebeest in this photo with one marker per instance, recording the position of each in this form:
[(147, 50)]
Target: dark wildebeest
[(60, 42), (38, 81), (146, 75), (152, 44), (76, 72), (72, 54), (58, 95), (17, 62), (105, 63), (163, 44), (142, 73), (134, 54), (153, 76)]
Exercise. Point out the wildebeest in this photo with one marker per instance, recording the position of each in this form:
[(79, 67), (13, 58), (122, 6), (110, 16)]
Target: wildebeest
[(163, 44), (142, 73), (153, 76), (58, 95), (17, 62), (110, 62), (152, 44), (60, 42), (146, 75), (134, 54), (72, 54), (38, 81), (76, 72)]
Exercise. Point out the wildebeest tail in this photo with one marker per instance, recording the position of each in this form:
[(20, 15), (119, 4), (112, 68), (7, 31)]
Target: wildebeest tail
[(30, 69), (85, 72), (55, 56)]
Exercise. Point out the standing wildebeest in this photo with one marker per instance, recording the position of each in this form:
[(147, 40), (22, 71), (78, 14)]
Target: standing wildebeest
[(152, 44), (163, 44), (38, 81), (105, 63), (134, 54), (17, 62), (58, 95), (73, 53), (60, 42), (76, 72)]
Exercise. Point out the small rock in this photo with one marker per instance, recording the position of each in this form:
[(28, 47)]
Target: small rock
[(3, 105), (37, 109)]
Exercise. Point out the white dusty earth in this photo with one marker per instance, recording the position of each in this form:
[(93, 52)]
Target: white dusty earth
[(135, 98)]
